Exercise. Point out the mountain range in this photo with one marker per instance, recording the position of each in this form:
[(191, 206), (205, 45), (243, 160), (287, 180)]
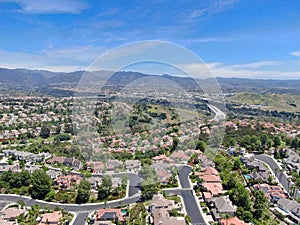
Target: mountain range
[(45, 81)]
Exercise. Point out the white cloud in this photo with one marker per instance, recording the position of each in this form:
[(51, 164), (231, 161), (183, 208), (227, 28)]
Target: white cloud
[(255, 65), (209, 39), (53, 6), (78, 53), (248, 72), (223, 5), (198, 13), (64, 60), (81, 57), (241, 71), (215, 7), (296, 53)]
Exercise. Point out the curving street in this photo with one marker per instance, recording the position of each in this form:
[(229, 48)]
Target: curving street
[(82, 211), (281, 176), (188, 196)]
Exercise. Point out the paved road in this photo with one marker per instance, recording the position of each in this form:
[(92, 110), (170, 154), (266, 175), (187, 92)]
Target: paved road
[(70, 207), (219, 115), (184, 173), (134, 182), (186, 192), (282, 177), (191, 205), (3, 204), (80, 219)]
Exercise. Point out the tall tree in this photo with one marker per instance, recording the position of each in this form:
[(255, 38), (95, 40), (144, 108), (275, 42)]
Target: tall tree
[(41, 184), (277, 141), (260, 203), (149, 188), (83, 193), (104, 190)]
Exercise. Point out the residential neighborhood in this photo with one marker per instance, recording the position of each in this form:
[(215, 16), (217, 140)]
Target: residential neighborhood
[(146, 168)]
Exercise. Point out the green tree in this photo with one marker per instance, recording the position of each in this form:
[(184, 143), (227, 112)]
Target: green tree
[(83, 193), (241, 196), (201, 146), (260, 204), (104, 190), (232, 142), (244, 215), (41, 184), (149, 188), (45, 132), (277, 141)]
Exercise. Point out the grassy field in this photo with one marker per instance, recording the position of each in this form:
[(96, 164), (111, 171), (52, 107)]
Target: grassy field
[(279, 102)]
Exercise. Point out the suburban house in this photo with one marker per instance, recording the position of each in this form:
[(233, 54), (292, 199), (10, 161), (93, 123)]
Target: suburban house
[(289, 208), (68, 181), (31, 168), (110, 214), (95, 181), (50, 218), (56, 160), (160, 158), (133, 166), (96, 167), (53, 173), (180, 157), (272, 192), (75, 164), (26, 156), (233, 220), (214, 189), (160, 207), (162, 217), (6, 167), (253, 164), (113, 165), (221, 206), (211, 182), (159, 202), (263, 176), (293, 160), (163, 176), (11, 214)]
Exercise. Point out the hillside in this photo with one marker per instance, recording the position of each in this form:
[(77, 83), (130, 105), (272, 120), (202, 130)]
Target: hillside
[(48, 82)]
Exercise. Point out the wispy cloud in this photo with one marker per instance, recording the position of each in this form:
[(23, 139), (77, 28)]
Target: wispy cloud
[(109, 12), (198, 14), (242, 71), (296, 53), (53, 6), (78, 53), (252, 70), (209, 39), (255, 65), (63, 60)]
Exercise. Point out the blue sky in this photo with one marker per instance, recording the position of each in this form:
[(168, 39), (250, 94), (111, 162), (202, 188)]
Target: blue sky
[(236, 38)]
